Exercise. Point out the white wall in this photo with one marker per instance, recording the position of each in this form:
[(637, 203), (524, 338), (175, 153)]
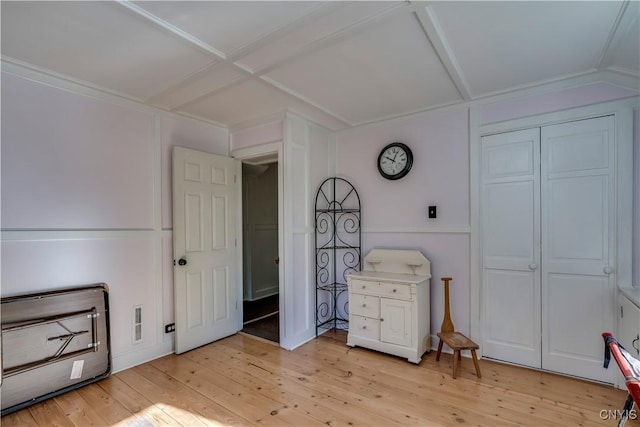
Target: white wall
[(86, 198), (395, 212)]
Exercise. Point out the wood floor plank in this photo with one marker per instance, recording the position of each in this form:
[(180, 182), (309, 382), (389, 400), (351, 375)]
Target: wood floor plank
[(104, 404), (19, 419), (180, 402), (235, 396), (286, 387), (394, 398), (145, 411), (474, 391), (79, 411), (552, 405), (48, 413), (244, 381)]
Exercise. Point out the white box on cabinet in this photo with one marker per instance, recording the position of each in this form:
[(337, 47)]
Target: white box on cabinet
[(389, 307)]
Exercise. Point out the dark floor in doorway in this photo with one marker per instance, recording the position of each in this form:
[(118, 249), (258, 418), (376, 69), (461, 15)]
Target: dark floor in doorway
[(267, 328), (261, 318), (260, 308)]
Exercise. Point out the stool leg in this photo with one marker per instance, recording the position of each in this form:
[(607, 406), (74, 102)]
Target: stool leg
[(439, 350), (456, 353), (459, 355), (475, 363)]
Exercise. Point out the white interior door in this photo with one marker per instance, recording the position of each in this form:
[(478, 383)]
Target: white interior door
[(511, 247), (205, 194), (577, 261)]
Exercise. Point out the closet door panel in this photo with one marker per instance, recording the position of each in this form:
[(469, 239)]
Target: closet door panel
[(577, 178), (512, 323), (510, 248)]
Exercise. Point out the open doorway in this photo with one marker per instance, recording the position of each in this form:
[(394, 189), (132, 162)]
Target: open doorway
[(261, 308)]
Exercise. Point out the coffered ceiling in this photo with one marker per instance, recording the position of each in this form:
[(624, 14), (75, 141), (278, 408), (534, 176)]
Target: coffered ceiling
[(340, 64)]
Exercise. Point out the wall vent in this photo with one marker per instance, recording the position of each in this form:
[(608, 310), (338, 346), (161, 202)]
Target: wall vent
[(137, 324)]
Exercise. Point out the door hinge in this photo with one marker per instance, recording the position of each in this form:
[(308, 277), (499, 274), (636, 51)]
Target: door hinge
[(621, 312), (235, 178)]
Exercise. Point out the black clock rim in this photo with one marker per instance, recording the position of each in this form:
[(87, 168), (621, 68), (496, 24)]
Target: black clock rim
[(406, 169)]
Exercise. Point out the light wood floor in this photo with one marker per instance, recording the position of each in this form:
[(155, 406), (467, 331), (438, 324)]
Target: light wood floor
[(242, 380)]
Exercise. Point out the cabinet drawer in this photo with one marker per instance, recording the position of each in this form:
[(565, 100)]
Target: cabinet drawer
[(394, 290), (364, 286), (365, 327), (363, 305), (385, 289)]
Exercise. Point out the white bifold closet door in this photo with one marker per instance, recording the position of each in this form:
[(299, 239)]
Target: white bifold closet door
[(547, 240)]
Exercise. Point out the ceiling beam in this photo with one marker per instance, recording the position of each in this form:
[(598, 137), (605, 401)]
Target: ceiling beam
[(172, 29), (432, 29), (623, 23)]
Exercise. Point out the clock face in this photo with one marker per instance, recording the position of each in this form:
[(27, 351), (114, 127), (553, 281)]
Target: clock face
[(395, 160)]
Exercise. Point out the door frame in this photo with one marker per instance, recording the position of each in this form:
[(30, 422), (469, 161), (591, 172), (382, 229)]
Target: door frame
[(623, 112), (266, 153)]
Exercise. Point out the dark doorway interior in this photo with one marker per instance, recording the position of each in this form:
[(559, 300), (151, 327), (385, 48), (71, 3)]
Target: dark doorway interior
[(262, 318)]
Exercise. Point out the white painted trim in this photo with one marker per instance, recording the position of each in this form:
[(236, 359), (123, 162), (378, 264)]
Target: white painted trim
[(66, 83), (609, 77), (474, 219), (431, 26), (239, 245), (258, 121), (600, 109), (172, 29), (17, 235), (623, 188), (259, 151), (137, 357), (616, 27), (319, 11), (288, 91), (418, 229), (265, 149), (337, 36)]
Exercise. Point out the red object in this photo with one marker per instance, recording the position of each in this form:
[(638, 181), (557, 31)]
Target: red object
[(629, 366)]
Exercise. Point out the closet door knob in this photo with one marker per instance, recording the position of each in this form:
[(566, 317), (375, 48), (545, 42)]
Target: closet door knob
[(533, 266), (608, 270)]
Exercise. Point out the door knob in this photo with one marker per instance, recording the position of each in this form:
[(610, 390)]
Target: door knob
[(608, 270), (182, 261), (533, 266)]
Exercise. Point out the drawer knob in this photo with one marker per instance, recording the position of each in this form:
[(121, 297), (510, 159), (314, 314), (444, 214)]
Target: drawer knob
[(394, 291), (364, 305), (364, 327), (364, 286), (381, 319)]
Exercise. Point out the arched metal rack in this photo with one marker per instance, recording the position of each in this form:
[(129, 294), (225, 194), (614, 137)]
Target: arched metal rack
[(338, 239)]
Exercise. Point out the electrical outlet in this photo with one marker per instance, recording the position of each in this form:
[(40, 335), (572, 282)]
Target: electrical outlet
[(169, 328)]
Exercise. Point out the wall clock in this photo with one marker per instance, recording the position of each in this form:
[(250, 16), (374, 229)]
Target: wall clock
[(395, 160)]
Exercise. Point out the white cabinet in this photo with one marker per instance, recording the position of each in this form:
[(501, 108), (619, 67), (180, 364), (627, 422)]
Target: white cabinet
[(629, 326), (389, 304)]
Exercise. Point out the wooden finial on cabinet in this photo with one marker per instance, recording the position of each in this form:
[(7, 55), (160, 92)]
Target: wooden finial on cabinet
[(447, 324)]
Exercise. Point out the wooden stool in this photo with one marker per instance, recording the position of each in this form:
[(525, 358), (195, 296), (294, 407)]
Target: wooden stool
[(457, 341)]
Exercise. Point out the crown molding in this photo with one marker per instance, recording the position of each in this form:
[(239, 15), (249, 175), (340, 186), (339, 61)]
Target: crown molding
[(69, 84)]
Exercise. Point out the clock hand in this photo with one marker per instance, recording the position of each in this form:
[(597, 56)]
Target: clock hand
[(389, 158)]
